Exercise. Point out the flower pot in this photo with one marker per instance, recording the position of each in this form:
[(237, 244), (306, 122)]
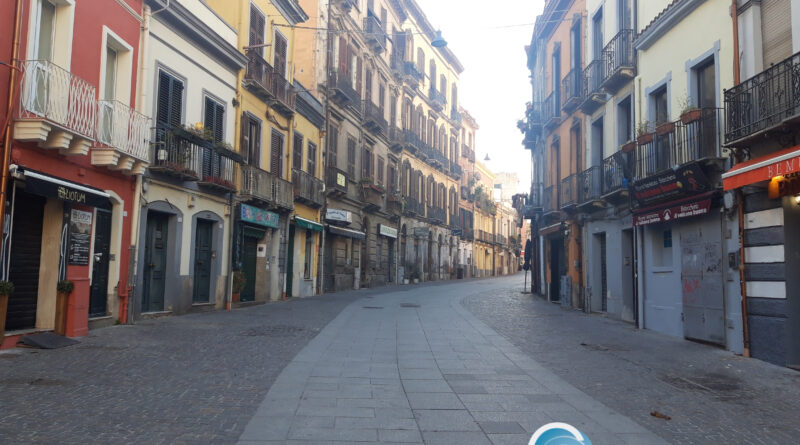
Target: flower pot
[(691, 116), (663, 129), (235, 297), (62, 305), (645, 138), (627, 148)]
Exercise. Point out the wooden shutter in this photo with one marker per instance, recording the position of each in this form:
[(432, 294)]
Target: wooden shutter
[(214, 118), (170, 100), (312, 158), (333, 146), (384, 16), (381, 96), (276, 154), (343, 56), (379, 170), (244, 138), (776, 29), (351, 157), (280, 58), (257, 28), (359, 68), (366, 163), (297, 151)]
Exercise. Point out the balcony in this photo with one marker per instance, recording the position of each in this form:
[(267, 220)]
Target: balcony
[(533, 125), (467, 234), (371, 195), (437, 215), (590, 186), (467, 152), (551, 110), (396, 140), (336, 181), (259, 185), (220, 170), (762, 103), (342, 91), (270, 86), (413, 142), (413, 207), (123, 138), (345, 5), (374, 33), (373, 118), (593, 95), (675, 144), (455, 116), (620, 61), (501, 240), (179, 153), (615, 184), (535, 196), (58, 110), (437, 159), (413, 76), (550, 199), (572, 89), (569, 192), (456, 170), (437, 98), (308, 190), (394, 203)]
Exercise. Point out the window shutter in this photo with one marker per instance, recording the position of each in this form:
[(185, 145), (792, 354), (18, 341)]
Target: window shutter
[(359, 68), (280, 57), (257, 27), (213, 119), (379, 170), (176, 102), (351, 157), (162, 112), (276, 152), (776, 27), (368, 86), (297, 151), (333, 147), (312, 158), (255, 137), (170, 100), (365, 163), (219, 121), (244, 140), (343, 56)]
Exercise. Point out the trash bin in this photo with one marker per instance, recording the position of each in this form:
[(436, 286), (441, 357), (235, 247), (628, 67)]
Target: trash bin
[(460, 273)]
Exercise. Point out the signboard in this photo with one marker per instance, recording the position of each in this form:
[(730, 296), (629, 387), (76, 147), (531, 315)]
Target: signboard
[(341, 179), (458, 232), (671, 184), (671, 213), (261, 217), (387, 231), (421, 232), (51, 187), (781, 186), (782, 163), (339, 215), (80, 237)]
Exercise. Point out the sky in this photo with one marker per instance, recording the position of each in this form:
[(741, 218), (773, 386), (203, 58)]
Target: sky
[(495, 85)]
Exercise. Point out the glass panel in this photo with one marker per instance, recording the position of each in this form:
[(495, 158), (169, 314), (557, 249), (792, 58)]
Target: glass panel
[(46, 30), (109, 90)]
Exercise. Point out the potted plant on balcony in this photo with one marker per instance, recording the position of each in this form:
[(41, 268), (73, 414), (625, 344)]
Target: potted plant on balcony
[(64, 289), (643, 133), (239, 282), (216, 181), (6, 289), (628, 146), (689, 112), (663, 128)]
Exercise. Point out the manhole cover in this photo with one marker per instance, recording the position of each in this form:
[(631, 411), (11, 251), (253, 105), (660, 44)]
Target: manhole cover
[(273, 331), (408, 305), (372, 307)]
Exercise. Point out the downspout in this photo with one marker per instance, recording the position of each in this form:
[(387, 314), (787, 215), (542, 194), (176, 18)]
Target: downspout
[(232, 238), (324, 147), (9, 112)]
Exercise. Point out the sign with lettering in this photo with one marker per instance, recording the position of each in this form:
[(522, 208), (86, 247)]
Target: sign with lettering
[(80, 237), (339, 215), (341, 179), (784, 163), (421, 232), (58, 189), (784, 186), (261, 217), (391, 232), (671, 184), (672, 213)]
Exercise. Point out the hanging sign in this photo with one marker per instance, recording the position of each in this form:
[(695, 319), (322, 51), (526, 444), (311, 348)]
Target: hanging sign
[(669, 185), (387, 231), (339, 215), (80, 237), (671, 213), (261, 217)]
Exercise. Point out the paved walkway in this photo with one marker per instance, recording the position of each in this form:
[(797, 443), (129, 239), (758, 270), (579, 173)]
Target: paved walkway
[(408, 367)]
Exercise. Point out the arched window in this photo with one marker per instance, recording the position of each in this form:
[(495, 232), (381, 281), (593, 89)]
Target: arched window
[(430, 191), (420, 123), (454, 97), (406, 116)]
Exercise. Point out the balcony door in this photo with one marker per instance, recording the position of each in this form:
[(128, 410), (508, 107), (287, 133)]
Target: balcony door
[(109, 95), (38, 86), (707, 101), (624, 14)]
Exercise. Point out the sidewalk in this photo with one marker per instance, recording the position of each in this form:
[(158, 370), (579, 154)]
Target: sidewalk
[(416, 366)]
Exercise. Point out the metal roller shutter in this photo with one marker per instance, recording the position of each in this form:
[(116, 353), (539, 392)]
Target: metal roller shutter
[(776, 30)]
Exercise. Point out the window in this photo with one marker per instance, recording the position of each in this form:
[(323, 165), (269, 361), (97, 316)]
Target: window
[(382, 96), (110, 76), (257, 30), (556, 61), (251, 140), (280, 58), (366, 164), (333, 146), (659, 102), (433, 75), (214, 118), (351, 157), (597, 142), (706, 85), (420, 60), (170, 100), (368, 86), (597, 34), (392, 179), (312, 159), (443, 85), (624, 13), (379, 252), (380, 170), (46, 31), (307, 264), (575, 46), (276, 153), (624, 121), (662, 247), (297, 151)]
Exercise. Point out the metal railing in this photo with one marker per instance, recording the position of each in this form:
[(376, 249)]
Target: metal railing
[(614, 172), (764, 100), (438, 98), (437, 214), (455, 116), (178, 152), (569, 195), (54, 94), (342, 83), (438, 156), (218, 170), (619, 53), (308, 189), (336, 179), (590, 184), (593, 76), (467, 152), (551, 109), (270, 81), (414, 142), (122, 128), (373, 116), (264, 186), (456, 169), (683, 143), (535, 196), (550, 199), (414, 207), (501, 240), (572, 88), (410, 69), (374, 33)]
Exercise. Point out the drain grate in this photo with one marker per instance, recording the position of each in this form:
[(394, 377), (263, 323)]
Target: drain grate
[(408, 305), (273, 331), (372, 307)]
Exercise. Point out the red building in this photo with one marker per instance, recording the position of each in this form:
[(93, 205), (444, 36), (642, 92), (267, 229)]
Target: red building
[(77, 148)]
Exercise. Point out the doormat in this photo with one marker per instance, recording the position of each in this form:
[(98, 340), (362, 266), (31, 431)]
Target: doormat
[(47, 340)]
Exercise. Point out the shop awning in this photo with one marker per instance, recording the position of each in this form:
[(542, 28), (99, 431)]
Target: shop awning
[(782, 163), (52, 187), (341, 231), (307, 224)]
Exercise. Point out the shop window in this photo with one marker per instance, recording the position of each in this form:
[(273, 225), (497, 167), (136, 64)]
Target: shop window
[(662, 248), (309, 255)]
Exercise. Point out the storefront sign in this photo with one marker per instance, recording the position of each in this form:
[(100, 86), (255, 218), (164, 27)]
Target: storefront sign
[(784, 186), (421, 232), (671, 184), (307, 224), (339, 215), (261, 217), (387, 231), (672, 213), (341, 179), (52, 187), (765, 168), (80, 237), (458, 232)]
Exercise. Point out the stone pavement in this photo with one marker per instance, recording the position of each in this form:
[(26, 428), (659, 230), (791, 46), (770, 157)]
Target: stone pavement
[(414, 367)]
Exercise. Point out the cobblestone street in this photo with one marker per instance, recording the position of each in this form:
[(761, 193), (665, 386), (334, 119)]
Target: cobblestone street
[(457, 362)]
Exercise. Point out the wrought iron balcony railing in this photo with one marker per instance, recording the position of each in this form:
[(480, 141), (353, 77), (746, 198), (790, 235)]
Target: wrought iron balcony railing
[(268, 83), (437, 157), (413, 72), (414, 143), (122, 129), (551, 110), (614, 168), (455, 116), (620, 60), (266, 187), (438, 99), (55, 95), (550, 199), (341, 85), (374, 118), (501, 240), (467, 152), (396, 139), (178, 153), (569, 195), (572, 89), (437, 214), (374, 33), (308, 189), (763, 101), (413, 207), (593, 76), (590, 185), (456, 169)]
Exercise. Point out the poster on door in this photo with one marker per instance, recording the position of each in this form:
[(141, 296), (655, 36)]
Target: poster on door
[(80, 237)]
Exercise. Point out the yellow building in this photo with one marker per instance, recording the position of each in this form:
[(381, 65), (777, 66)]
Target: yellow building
[(485, 213), (269, 131)]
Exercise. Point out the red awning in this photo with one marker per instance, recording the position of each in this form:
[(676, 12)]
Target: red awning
[(764, 168)]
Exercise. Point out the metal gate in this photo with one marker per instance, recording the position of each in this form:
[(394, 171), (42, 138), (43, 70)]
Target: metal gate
[(702, 281)]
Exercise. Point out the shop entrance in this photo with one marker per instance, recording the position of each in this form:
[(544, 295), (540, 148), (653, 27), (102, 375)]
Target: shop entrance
[(155, 262), (290, 263), (556, 254), (26, 251), (202, 261), (702, 281), (98, 296), (249, 255)]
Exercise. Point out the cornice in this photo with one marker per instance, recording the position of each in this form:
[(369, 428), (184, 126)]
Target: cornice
[(664, 22), (291, 10)]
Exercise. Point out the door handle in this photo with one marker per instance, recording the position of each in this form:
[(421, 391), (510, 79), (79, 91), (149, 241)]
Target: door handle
[(98, 257)]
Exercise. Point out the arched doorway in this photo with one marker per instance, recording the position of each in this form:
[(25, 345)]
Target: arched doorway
[(439, 257), (430, 256)]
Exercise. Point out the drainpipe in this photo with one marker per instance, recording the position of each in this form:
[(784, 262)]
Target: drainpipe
[(9, 111), (323, 149)]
